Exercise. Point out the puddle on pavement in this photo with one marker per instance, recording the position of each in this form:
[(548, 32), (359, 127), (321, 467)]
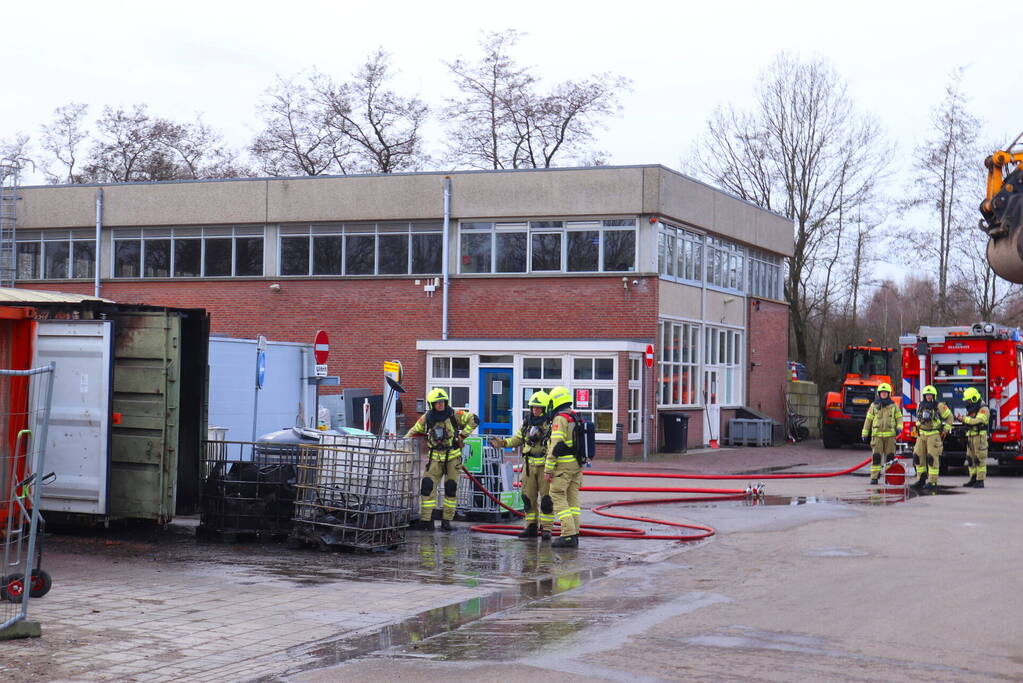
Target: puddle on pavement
[(463, 631)]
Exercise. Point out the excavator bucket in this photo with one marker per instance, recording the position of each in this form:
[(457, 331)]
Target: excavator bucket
[(1005, 255), (1002, 210)]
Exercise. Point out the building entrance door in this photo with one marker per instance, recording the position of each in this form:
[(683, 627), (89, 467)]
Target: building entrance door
[(712, 407), (496, 400)]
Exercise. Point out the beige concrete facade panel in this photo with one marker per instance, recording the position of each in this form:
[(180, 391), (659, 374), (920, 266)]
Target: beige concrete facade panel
[(363, 198), (775, 233), (686, 200), (678, 300), (725, 309), (612, 191), (62, 207)]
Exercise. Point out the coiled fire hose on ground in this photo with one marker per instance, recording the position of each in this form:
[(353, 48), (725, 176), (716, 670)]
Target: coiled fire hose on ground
[(605, 531)]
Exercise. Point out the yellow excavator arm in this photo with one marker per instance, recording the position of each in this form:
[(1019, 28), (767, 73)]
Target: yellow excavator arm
[(1002, 211)]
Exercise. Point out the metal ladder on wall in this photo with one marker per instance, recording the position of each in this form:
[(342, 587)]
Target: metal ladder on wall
[(8, 220)]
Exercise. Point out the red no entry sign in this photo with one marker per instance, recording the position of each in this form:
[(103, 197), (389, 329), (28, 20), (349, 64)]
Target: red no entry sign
[(321, 347), (649, 355)]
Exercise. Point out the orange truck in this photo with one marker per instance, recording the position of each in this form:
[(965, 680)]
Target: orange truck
[(863, 369)]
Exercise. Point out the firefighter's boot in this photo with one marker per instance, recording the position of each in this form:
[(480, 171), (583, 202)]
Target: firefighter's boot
[(445, 525), (920, 483), (545, 535), (979, 484), (529, 532), (427, 525), (873, 481), (565, 542), (931, 488), (972, 482)]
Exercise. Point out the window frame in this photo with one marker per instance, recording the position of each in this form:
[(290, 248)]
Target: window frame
[(541, 227), (187, 233)]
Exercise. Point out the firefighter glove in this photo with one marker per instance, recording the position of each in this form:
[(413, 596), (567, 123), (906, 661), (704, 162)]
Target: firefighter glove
[(866, 439)]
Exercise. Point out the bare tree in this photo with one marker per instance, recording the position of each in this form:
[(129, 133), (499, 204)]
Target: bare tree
[(17, 150), (62, 138), (382, 126), (805, 152), (131, 145), (501, 120), (949, 160), (201, 153), (300, 135)]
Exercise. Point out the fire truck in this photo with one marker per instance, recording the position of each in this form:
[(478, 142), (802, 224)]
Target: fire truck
[(985, 356), (863, 369)]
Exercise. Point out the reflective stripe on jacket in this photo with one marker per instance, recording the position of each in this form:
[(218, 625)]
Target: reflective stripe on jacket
[(562, 431), (941, 421), (448, 446), (882, 420), (977, 424)]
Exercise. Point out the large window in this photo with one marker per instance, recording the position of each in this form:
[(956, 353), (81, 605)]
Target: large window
[(55, 254), (548, 246), (679, 364), (361, 249), (188, 252), (723, 352), (451, 373), (765, 274), (593, 388), (725, 264)]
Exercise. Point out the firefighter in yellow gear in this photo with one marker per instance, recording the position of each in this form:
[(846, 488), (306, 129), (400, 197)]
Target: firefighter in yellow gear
[(976, 419), (562, 469), (883, 422), (532, 436), (933, 423), (444, 430)]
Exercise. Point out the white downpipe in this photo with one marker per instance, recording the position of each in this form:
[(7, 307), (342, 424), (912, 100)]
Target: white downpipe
[(444, 258), (99, 229)]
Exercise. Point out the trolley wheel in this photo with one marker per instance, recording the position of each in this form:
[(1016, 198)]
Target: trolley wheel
[(41, 583), (12, 588)]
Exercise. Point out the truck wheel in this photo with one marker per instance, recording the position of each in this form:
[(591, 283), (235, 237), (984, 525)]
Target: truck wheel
[(831, 438)]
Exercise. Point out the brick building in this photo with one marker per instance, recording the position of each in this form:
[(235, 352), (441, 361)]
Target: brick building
[(557, 276)]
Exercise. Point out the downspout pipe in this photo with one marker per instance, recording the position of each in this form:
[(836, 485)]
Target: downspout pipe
[(444, 257), (99, 230)]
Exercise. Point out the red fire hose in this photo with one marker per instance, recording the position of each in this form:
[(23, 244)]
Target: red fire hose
[(631, 532)]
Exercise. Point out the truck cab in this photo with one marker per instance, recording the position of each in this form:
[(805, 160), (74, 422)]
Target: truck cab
[(863, 369)]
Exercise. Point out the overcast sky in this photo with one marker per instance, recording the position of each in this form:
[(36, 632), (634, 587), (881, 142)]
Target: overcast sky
[(684, 58)]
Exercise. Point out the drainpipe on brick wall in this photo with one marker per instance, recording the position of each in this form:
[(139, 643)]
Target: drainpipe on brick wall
[(444, 261), (99, 228)]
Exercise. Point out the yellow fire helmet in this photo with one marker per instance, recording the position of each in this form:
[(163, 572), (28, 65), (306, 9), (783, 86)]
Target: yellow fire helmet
[(884, 386), (539, 399), (971, 395), (436, 395), (930, 390), (560, 396)]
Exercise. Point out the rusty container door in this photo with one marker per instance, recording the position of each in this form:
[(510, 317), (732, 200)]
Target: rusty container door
[(146, 407)]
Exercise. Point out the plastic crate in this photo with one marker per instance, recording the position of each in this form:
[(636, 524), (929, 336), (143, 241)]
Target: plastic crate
[(749, 432)]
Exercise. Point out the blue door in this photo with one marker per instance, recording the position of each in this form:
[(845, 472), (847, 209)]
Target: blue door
[(496, 401)]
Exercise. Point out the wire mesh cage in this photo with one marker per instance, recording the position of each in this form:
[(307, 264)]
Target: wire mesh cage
[(247, 489), (25, 397), (356, 492)]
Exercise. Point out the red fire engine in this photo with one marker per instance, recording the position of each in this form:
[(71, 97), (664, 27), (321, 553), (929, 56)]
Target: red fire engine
[(985, 356)]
